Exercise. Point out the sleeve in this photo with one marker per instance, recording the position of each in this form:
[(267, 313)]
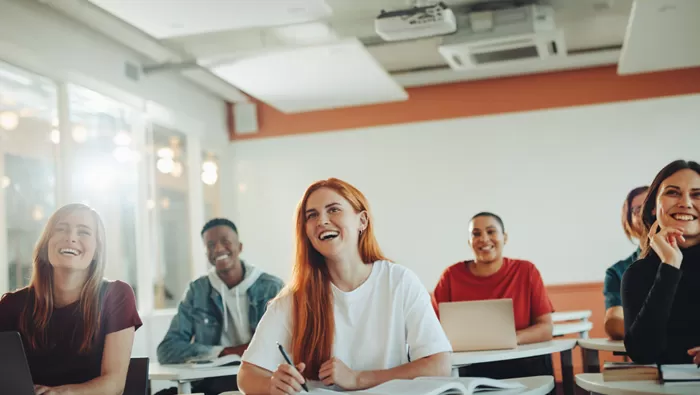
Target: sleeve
[(9, 313), (611, 288), (647, 306), (275, 326), (442, 291), (539, 300), (424, 334), (177, 345), (120, 308)]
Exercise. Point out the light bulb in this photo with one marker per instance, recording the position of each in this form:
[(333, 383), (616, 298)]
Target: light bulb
[(165, 165), (209, 166), (38, 213), (122, 154), (5, 182), (55, 136), (79, 134), (9, 120), (166, 152), (209, 177)]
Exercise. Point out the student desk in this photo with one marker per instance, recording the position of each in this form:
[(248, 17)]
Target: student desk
[(593, 382), (185, 375), (563, 346), (590, 348), (537, 385)]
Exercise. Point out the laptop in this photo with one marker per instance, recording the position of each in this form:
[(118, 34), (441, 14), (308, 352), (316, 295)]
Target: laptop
[(15, 377), (479, 325)]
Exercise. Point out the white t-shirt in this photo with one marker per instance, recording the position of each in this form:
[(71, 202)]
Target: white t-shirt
[(374, 324)]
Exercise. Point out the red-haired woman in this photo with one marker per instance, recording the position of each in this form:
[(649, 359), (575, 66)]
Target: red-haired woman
[(348, 316), (77, 328)]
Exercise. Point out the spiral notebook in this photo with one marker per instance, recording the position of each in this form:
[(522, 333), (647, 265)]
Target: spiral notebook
[(433, 386)]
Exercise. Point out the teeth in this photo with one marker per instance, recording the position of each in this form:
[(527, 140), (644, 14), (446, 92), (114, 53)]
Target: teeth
[(68, 251), (328, 234), (221, 257), (683, 217)]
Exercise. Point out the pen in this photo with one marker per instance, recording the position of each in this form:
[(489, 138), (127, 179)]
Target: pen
[(289, 361)]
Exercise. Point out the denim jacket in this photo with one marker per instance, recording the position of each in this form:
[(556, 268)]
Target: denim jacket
[(196, 328)]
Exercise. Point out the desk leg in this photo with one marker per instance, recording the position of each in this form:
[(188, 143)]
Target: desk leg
[(567, 372), (591, 361), (184, 387)]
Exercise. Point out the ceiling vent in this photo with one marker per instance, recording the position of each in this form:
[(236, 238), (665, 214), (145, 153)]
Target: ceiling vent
[(488, 38)]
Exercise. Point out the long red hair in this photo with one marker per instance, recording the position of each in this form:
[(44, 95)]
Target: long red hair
[(313, 325), (37, 312)]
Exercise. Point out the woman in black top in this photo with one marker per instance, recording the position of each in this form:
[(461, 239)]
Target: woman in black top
[(661, 291)]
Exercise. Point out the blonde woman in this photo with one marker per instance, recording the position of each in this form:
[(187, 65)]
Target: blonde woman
[(77, 328)]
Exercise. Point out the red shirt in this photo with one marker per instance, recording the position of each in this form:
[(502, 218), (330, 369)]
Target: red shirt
[(516, 279), (61, 363)]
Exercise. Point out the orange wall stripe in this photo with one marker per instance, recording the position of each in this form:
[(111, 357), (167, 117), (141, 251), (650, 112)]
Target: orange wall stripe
[(484, 97)]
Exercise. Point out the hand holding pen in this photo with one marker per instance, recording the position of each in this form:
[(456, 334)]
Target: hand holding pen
[(287, 379)]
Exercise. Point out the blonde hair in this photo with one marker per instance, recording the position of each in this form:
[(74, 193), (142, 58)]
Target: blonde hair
[(37, 312)]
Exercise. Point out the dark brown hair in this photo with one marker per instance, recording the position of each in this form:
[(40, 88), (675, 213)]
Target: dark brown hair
[(627, 212), (648, 216)]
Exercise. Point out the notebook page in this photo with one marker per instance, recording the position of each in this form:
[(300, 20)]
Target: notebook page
[(414, 387)]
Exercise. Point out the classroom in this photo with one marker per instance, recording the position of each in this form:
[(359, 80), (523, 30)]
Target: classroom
[(379, 196)]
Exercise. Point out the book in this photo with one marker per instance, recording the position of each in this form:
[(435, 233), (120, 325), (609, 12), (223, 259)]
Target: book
[(226, 360), (686, 373), (433, 386), (627, 371)]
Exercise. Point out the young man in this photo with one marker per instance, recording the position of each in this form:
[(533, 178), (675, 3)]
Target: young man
[(221, 310)]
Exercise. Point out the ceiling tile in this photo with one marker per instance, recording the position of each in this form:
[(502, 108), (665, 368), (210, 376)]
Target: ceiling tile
[(314, 78), (171, 18)]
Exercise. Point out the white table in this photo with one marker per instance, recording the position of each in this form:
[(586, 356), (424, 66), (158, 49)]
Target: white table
[(593, 382), (563, 346), (537, 385), (185, 375), (591, 347)]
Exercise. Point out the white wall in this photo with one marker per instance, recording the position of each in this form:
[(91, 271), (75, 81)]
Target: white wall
[(557, 178), (37, 37)]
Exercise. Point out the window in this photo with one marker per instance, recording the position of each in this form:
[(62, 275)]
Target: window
[(28, 133), (169, 202), (103, 163)]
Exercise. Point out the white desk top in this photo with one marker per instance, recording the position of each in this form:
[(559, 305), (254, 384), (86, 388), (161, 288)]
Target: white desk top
[(529, 350), (593, 382), (602, 344), (567, 329), (157, 371), (537, 385), (571, 315)]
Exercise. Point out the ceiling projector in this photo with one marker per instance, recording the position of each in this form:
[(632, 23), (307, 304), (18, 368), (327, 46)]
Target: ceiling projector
[(416, 22)]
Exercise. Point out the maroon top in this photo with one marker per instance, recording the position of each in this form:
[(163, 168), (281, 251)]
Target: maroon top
[(60, 363)]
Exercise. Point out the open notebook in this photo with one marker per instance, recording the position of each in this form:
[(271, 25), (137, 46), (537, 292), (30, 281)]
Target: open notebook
[(226, 360), (433, 386)]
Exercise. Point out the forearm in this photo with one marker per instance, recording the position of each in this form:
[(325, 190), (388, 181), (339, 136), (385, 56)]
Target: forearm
[(173, 350), (253, 380), (434, 365), (103, 385), (536, 333), (615, 328)]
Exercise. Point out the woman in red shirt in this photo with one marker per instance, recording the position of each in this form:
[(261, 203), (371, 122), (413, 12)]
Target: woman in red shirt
[(77, 328), (492, 276)]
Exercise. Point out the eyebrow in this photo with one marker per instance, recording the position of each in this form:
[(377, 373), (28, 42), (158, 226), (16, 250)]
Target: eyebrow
[(327, 206), (677, 187), (77, 226)]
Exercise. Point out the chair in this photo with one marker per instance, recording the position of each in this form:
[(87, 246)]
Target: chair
[(137, 377)]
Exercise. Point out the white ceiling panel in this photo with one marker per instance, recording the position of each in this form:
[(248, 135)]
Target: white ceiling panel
[(336, 75), (661, 35), (174, 18)]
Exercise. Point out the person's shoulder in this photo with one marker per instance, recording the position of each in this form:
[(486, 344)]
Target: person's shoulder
[(15, 299), (269, 279), (116, 289), (521, 266), (200, 284), (643, 266)]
